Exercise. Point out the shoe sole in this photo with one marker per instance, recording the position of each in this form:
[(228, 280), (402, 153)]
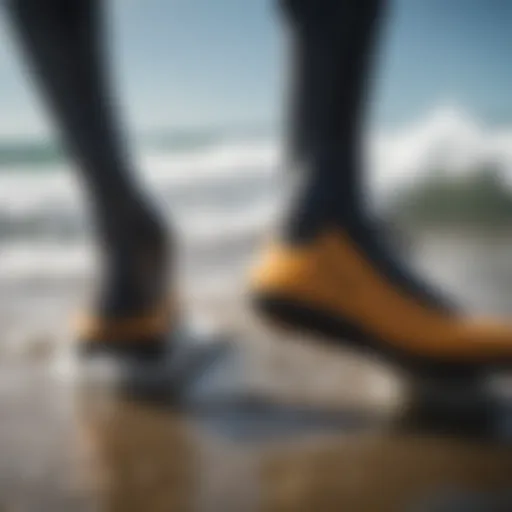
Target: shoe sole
[(338, 331)]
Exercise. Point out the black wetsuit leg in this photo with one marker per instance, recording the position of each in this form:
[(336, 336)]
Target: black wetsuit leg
[(333, 45), (63, 41)]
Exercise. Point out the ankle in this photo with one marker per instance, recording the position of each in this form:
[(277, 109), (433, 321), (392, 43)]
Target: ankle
[(135, 252), (327, 197)]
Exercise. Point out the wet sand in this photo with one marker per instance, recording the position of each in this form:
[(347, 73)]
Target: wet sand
[(255, 443), (282, 426)]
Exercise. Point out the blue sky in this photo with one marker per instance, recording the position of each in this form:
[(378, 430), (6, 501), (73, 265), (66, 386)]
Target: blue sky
[(220, 63)]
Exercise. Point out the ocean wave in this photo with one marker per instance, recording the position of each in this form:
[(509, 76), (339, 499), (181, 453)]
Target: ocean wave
[(23, 153), (221, 241), (36, 155), (212, 181), (224, 189)]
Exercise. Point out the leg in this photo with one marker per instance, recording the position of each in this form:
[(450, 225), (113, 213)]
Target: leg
[(333, 45), (63, 42), (330, 272)]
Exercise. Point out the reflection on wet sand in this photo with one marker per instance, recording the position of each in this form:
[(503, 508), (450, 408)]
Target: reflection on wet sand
[(63, 450), (265, 456), (139, 458), (379, 473)]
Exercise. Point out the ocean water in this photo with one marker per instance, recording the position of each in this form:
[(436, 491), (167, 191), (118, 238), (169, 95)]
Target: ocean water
[(214, 185), (207, 191)]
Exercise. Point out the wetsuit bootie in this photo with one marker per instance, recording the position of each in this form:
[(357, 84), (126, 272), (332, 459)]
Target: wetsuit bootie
[(138, 340), (328, 270), (331, 286), (64, 44), (134, 314)]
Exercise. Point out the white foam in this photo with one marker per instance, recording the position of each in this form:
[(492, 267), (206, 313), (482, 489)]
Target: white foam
[(447, 140), (37, 202)]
